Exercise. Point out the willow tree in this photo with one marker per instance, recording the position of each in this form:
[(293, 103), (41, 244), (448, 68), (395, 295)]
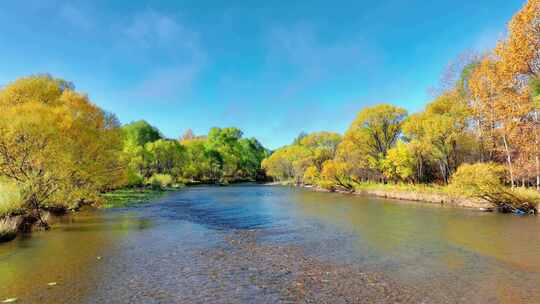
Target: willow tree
[(322, 147), (367, 141), (288, 163), (55, 145), (442, 130)]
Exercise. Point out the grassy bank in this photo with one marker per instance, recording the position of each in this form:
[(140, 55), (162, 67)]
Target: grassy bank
[(427, 193), (435, 194)]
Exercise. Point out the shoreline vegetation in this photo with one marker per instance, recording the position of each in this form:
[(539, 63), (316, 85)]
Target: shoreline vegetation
[(408, 193), (60, 152), (477, 140)]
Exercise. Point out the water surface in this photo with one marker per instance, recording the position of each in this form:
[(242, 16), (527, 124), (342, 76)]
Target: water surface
[(151, 253)]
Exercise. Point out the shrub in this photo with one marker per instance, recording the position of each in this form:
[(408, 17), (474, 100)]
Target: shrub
[(160, 181), (134, 179), (486, 181), (481, 180)]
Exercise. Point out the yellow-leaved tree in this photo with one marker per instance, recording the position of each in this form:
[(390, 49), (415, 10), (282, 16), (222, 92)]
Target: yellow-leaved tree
[(58, 148)]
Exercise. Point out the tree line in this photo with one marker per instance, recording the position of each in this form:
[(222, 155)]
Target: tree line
[(59, 151), (485, 114), (222, 156)]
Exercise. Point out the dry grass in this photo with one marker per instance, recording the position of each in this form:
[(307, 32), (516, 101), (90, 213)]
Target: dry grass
[(10, 199), (430, 193), (417, 188)]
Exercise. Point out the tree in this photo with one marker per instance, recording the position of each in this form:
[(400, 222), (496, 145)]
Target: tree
[(367, 141), (337, 174), (486, 181), (382, 127), (289, 162), (55, 145), (225, 141), (442, 130), (299, 138), (251, 156), (483, 85), (399, 164), (140, 132), (322, 145), (309, 152), (188, 135), (311, 176), (166, 157)]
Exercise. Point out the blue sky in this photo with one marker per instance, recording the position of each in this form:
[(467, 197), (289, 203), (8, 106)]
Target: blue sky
[(271, 68)]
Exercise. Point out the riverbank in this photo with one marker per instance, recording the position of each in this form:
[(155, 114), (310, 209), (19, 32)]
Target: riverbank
[(17, 223), (420, 193), (431, 194)]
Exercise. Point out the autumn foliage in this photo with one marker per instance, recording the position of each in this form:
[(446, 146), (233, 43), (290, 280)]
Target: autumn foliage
[(57, 148), (486, 112)]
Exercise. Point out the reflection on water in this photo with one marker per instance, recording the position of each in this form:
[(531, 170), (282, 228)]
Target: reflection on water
[(66, 255), (463, 255), (151, 251)]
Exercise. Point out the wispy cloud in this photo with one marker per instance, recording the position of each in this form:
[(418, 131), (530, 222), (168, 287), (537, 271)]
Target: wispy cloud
[(167, 82), (76, 16), (313, 59), (180, 56), (153, 29)]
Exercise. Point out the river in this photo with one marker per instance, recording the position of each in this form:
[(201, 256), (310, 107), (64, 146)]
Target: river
[(271, 244)]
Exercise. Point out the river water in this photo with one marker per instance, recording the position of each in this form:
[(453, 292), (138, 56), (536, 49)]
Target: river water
[(268, 244)]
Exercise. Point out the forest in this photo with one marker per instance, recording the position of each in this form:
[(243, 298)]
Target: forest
[(478, 137)]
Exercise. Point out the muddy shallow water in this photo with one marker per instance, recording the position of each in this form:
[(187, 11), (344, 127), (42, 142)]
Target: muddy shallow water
[(270, 244)]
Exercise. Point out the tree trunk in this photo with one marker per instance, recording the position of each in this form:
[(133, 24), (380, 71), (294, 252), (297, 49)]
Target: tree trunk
[(537, 159), (537, 172), (509, 161)]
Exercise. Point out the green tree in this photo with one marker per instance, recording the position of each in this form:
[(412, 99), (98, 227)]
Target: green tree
[(166, 157), (140, 132)]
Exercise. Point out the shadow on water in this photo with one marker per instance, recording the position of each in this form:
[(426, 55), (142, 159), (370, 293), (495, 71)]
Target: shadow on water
[(219, 208)]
